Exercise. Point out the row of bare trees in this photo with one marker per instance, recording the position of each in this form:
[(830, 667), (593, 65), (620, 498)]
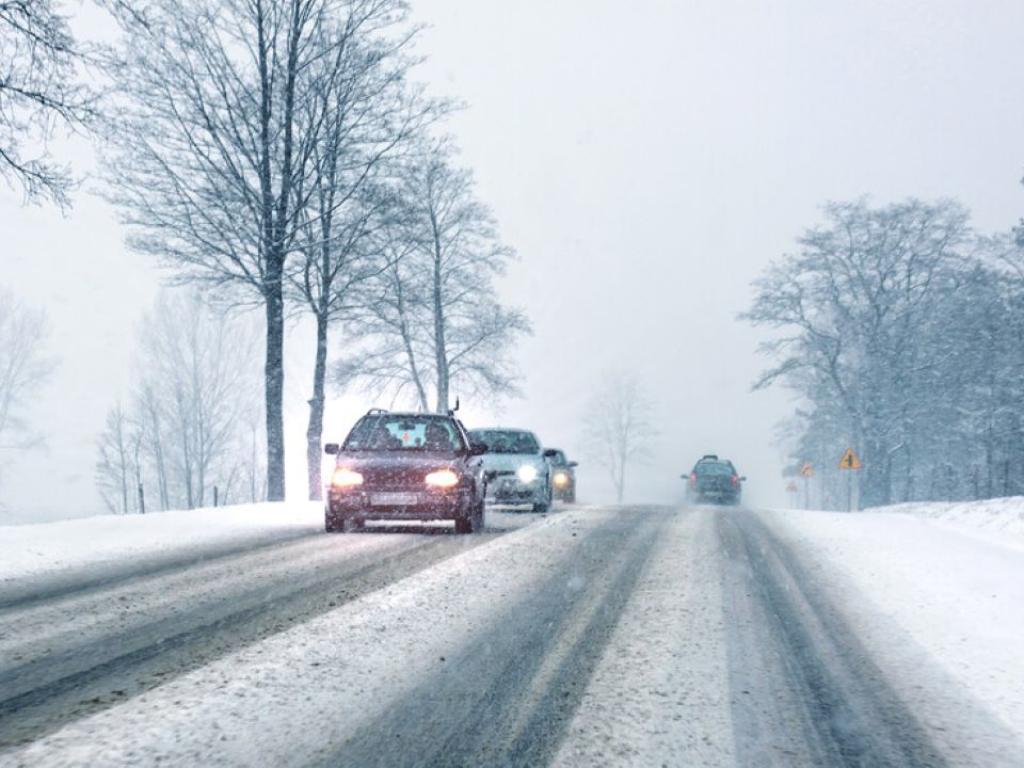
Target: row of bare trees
[(901, 331), (277, 153), (191, 423)]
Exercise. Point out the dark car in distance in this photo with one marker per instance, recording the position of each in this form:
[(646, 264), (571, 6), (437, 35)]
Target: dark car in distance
[(406, 466), (714, 480), (563, 475)]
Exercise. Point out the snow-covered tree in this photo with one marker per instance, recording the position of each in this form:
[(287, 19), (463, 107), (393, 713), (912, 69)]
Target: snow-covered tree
[(901, 338)]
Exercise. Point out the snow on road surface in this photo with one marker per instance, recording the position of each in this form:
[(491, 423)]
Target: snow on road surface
[(597, 636)]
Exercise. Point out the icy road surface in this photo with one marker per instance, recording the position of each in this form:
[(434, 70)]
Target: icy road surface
[(596, 636)]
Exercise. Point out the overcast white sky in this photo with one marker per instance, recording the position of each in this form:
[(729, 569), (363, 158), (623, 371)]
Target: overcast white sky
[(646, 159)]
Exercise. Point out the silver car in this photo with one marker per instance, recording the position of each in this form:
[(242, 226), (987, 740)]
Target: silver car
[(514, 467)]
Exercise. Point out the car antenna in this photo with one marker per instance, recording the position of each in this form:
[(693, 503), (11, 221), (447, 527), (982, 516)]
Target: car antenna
[(451, 411)]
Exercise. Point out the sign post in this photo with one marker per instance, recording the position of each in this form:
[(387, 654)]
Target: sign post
[(792, 489), (807, 472), (850, 461)]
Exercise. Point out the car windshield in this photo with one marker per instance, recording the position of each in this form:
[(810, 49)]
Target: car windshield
[(507, 441), (404, 433)]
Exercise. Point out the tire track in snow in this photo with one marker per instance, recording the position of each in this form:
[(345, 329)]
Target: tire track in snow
[(42, 695), (508, 697), (805, 692)]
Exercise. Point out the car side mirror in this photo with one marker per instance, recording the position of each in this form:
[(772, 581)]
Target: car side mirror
[(477, 449), (574, 463), (550, 453), (743, 479), (332, 448)]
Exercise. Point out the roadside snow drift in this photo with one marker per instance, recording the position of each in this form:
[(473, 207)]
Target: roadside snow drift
[(995, 516), (96, 547), (930, 596)]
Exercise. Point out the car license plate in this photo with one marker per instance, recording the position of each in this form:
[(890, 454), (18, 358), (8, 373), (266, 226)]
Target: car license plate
[(394, 499)]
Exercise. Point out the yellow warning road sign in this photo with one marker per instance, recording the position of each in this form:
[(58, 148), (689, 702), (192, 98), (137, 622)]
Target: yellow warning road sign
[(807, 470), (850, 460)]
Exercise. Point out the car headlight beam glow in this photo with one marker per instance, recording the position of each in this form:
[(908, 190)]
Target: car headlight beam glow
[(346, 478), (560, 478), (442, 478), (527, 473)]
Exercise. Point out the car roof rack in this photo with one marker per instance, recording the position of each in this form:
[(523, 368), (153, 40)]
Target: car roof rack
[(376, 411), (709, 457)]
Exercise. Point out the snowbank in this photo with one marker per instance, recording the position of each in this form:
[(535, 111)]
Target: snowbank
[(96, 547), (994, 516), (924, 595)]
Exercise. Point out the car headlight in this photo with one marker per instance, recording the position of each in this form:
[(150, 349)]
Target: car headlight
[(442, 478), (560, 478), (527, 473), (346, 478)]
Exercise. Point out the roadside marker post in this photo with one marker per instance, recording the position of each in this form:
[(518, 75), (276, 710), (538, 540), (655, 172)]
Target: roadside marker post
[(807, 472), (850, 462)]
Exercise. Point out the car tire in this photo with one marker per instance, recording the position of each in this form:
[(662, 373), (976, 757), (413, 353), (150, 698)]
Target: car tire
[(351, 524), (464, 524), (570, 497)]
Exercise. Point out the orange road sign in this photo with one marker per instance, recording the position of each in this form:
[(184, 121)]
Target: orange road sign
[(850, 460), (807, 470)]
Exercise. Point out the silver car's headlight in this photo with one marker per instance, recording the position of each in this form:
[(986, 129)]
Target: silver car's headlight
[(527, 473)]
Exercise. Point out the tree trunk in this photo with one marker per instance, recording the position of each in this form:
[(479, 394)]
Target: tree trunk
[(403, 326), (314, 431), (440, 350), (274, 380)]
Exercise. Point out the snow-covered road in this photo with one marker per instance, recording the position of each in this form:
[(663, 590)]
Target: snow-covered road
[(594, 636)]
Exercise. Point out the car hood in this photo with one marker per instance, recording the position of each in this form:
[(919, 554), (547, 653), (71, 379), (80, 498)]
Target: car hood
[(501, 462), (397, 460)]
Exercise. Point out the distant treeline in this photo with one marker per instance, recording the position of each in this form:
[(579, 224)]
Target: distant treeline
[(901, 330)]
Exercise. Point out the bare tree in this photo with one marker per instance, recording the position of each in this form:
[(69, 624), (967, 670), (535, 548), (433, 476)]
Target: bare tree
[(391, 315), (436, 315), (364, 112), (115, 465), (619, 426), (40, 91), (197, 368), (23, 367), (212, 145), (457, 235), (190, 426)]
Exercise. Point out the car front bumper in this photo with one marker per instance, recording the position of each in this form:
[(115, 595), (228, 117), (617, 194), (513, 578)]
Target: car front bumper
[(418, 505), (509, 489)]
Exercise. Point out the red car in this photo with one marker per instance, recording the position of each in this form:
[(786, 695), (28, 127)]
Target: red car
[(406, 466)]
